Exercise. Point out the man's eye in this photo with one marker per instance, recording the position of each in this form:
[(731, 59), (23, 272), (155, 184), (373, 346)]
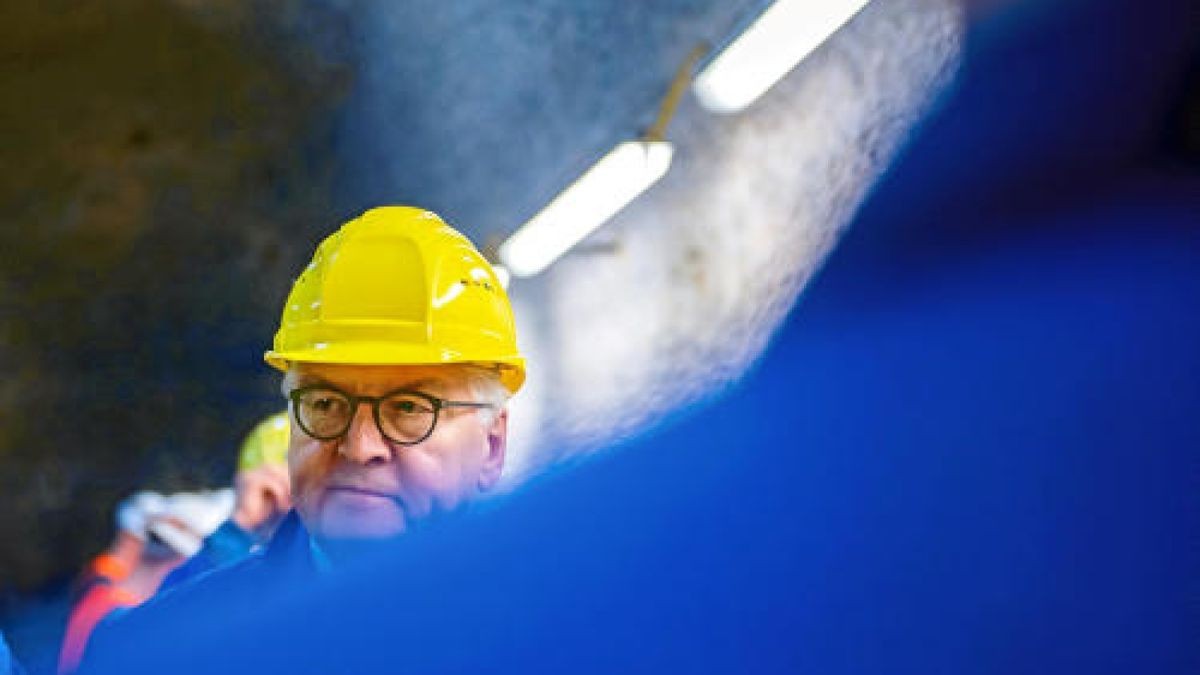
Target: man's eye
[(407, 407), (324, 404)]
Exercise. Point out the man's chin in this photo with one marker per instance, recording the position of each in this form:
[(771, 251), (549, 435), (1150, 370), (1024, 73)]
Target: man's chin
[(337, 528), (358, 520)]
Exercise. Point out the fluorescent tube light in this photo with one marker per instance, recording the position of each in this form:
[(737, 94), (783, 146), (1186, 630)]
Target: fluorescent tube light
[(778, 40), (597, 195)]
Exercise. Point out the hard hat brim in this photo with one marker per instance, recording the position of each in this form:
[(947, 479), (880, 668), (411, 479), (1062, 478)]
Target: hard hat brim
[(511, 368)]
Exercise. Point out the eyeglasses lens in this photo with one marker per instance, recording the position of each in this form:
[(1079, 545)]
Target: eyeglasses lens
[(406, 417), (324, 413)]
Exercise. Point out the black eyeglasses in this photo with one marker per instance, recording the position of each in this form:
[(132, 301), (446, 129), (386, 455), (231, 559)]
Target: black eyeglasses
[(403, 416)]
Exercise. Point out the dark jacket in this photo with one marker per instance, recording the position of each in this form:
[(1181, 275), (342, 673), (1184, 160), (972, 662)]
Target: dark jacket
[(227, 545)]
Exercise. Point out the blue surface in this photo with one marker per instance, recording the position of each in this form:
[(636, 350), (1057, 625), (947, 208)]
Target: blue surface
[(994, 473)]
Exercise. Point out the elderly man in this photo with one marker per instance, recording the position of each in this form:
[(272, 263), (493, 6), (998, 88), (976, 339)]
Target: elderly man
[(262, 497), (399, 352), (398, 349)]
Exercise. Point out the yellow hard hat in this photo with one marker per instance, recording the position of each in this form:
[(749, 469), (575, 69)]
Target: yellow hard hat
[(398, 286), (267, 443)]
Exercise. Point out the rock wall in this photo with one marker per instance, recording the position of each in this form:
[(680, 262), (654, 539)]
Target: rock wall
[(160, 176)]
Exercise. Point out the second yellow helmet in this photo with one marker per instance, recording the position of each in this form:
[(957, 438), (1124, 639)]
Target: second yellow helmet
[(267, 443)]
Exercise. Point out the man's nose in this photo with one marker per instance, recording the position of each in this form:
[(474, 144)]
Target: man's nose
[(363, 443)]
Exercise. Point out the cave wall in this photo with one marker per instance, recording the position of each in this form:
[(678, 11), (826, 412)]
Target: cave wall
[(162, 172)]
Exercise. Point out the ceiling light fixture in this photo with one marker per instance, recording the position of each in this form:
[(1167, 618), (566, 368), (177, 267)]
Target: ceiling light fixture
[(618, 178), (603, 190), (768, 50)]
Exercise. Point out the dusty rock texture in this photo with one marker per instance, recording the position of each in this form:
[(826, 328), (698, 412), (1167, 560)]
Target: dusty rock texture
[(160, 175)]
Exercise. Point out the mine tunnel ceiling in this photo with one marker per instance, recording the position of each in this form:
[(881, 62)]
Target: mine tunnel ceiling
[(484, 111)]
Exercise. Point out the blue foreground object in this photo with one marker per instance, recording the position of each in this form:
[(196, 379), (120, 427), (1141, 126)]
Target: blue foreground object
[(8, 664), (990, 473)]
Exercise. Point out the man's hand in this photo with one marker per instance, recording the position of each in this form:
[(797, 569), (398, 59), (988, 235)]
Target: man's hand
[(264, 494)]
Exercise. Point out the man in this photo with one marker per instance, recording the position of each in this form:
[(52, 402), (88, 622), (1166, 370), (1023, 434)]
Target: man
[(155, 534), (398, 349), (122, 555), (399, 353), (262, 497)]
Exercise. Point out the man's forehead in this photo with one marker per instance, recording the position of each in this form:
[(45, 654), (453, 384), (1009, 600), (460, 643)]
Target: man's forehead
[(360, 379)]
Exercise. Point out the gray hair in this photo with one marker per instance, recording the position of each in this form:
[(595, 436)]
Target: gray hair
[(484, 384)]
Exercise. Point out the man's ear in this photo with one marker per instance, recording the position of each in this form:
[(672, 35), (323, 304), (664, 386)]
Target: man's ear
[(497, 445)]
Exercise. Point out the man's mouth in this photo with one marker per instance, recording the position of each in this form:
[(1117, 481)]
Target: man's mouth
[(356, 493)]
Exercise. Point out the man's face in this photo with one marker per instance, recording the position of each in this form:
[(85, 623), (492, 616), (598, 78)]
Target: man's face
[(362, 485)]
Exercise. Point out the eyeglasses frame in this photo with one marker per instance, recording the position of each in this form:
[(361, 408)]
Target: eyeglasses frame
[(437, 404)]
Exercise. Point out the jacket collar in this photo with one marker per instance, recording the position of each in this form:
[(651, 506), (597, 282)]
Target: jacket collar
[(291, 546)]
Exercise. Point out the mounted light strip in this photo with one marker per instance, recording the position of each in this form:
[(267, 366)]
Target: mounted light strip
[(778, 40), (623, 174)]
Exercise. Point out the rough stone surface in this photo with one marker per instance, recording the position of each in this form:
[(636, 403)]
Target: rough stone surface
[(153, 169), (679, 294)]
